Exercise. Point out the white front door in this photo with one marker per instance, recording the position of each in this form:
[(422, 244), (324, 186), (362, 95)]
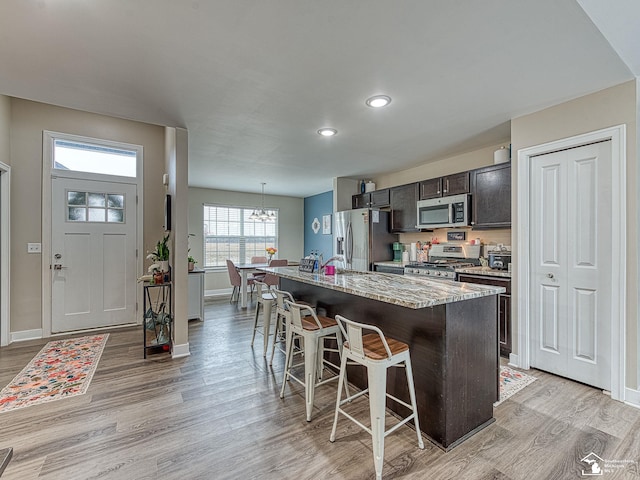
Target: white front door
[(93, 264), (570, 248)]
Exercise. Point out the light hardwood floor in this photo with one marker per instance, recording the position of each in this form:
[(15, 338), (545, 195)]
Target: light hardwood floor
[(217, 415)]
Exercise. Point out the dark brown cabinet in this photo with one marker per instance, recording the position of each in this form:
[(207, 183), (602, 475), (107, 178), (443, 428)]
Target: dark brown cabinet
[(455, 184), (504, 307), (375, 199), (361, 201), (403, 208), (430, 188), (380, 198), (445, 186), (491, 197)]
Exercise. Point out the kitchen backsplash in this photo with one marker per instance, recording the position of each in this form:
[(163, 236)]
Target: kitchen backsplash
[(487, 237)]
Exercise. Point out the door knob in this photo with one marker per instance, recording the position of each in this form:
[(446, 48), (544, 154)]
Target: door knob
[(550, 275), (57, 256)]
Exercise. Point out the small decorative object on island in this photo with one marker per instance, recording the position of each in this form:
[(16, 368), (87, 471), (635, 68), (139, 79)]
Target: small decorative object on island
[(271, 252)]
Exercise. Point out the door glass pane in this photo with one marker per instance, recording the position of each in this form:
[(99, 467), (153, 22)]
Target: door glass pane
[(96, 200), (96, 214), (77, 214), (76, 198), (116, 216), (115, 201)]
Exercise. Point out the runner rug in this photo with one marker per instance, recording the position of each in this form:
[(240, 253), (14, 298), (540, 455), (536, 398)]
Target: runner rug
[(511, 382), (62, 369)]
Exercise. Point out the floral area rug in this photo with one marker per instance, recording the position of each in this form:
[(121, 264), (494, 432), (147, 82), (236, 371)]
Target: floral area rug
[(511, 382), (62, 369)]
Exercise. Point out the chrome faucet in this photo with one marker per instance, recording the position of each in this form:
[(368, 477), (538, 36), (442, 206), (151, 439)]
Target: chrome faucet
[(337, 257)]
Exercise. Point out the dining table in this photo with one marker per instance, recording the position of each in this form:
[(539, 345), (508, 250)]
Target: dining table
[(245, 269)]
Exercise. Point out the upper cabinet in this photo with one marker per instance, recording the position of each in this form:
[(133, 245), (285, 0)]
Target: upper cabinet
[(380, 198), (444, 186), (375, 199), (361, 200), (491, 197), (430, 188), (403, 208)]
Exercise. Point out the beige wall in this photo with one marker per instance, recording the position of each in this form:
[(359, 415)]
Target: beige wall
[(28, 120), (5, 120), (290, 227), (607, 108), (458, 163)]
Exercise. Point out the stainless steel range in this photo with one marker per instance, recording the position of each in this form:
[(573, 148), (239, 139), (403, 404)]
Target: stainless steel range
[(444, 259)]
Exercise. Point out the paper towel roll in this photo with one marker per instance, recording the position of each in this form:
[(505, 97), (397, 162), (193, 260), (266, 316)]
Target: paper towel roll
[(501, 155), (413, 252), (405, 256)]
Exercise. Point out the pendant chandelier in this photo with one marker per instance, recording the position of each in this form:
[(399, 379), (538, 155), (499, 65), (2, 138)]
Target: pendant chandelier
[(262, 214)]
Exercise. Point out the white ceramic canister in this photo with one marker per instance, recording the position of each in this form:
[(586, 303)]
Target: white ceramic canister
[(501, 155), (369, 186)]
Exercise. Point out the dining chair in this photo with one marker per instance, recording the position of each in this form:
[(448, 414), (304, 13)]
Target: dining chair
[(236, 280), (271, 279), (259, 276)]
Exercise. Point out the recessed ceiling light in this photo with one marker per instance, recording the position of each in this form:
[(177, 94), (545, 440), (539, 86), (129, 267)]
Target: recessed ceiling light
[(378, 101), (327, 132)]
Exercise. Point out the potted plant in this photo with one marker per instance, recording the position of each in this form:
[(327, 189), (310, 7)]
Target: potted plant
[(192, 262), (161, 254)]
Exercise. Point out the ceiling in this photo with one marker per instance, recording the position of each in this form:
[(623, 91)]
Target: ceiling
[(253, 81)]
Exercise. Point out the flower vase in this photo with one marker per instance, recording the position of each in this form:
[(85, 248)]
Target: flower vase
[(269, 259), (164, 266), (192, 266), (158, 278)]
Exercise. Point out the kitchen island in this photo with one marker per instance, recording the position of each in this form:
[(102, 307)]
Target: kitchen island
[(449, 326)]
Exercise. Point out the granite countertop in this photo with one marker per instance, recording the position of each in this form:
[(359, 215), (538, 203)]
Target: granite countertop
[(486, 271), (406, 291)]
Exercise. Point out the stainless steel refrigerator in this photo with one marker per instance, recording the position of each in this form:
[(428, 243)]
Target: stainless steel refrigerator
[(362, 237)]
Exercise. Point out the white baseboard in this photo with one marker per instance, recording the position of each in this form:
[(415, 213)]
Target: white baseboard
[(221, 292), (514, 360), (24, 335), (632, 397), (180, 351)]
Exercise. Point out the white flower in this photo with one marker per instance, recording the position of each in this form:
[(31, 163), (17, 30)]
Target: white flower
[(153, 266), (151, 256)]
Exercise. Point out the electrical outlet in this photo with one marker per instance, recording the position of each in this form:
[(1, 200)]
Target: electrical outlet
[(34, 248)]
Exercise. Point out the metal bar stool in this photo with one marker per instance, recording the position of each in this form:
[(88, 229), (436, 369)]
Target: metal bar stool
[(265, 298), (282, 319), (376, 353), (313, 330)]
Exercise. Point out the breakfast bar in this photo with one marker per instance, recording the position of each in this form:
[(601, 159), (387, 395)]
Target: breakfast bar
[(451, 331)]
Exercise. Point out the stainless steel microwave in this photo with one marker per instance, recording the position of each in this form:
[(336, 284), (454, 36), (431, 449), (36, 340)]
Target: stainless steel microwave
[(443, 212)]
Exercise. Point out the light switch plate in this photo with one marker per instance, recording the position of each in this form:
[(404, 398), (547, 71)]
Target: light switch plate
[(34, 248)]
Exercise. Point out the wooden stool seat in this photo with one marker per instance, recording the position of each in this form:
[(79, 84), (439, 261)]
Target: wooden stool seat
[(325, 322), (374, 348)]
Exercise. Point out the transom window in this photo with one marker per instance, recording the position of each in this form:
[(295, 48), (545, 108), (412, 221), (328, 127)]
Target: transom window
[(229, 233), (93, 158), (95, 207)]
